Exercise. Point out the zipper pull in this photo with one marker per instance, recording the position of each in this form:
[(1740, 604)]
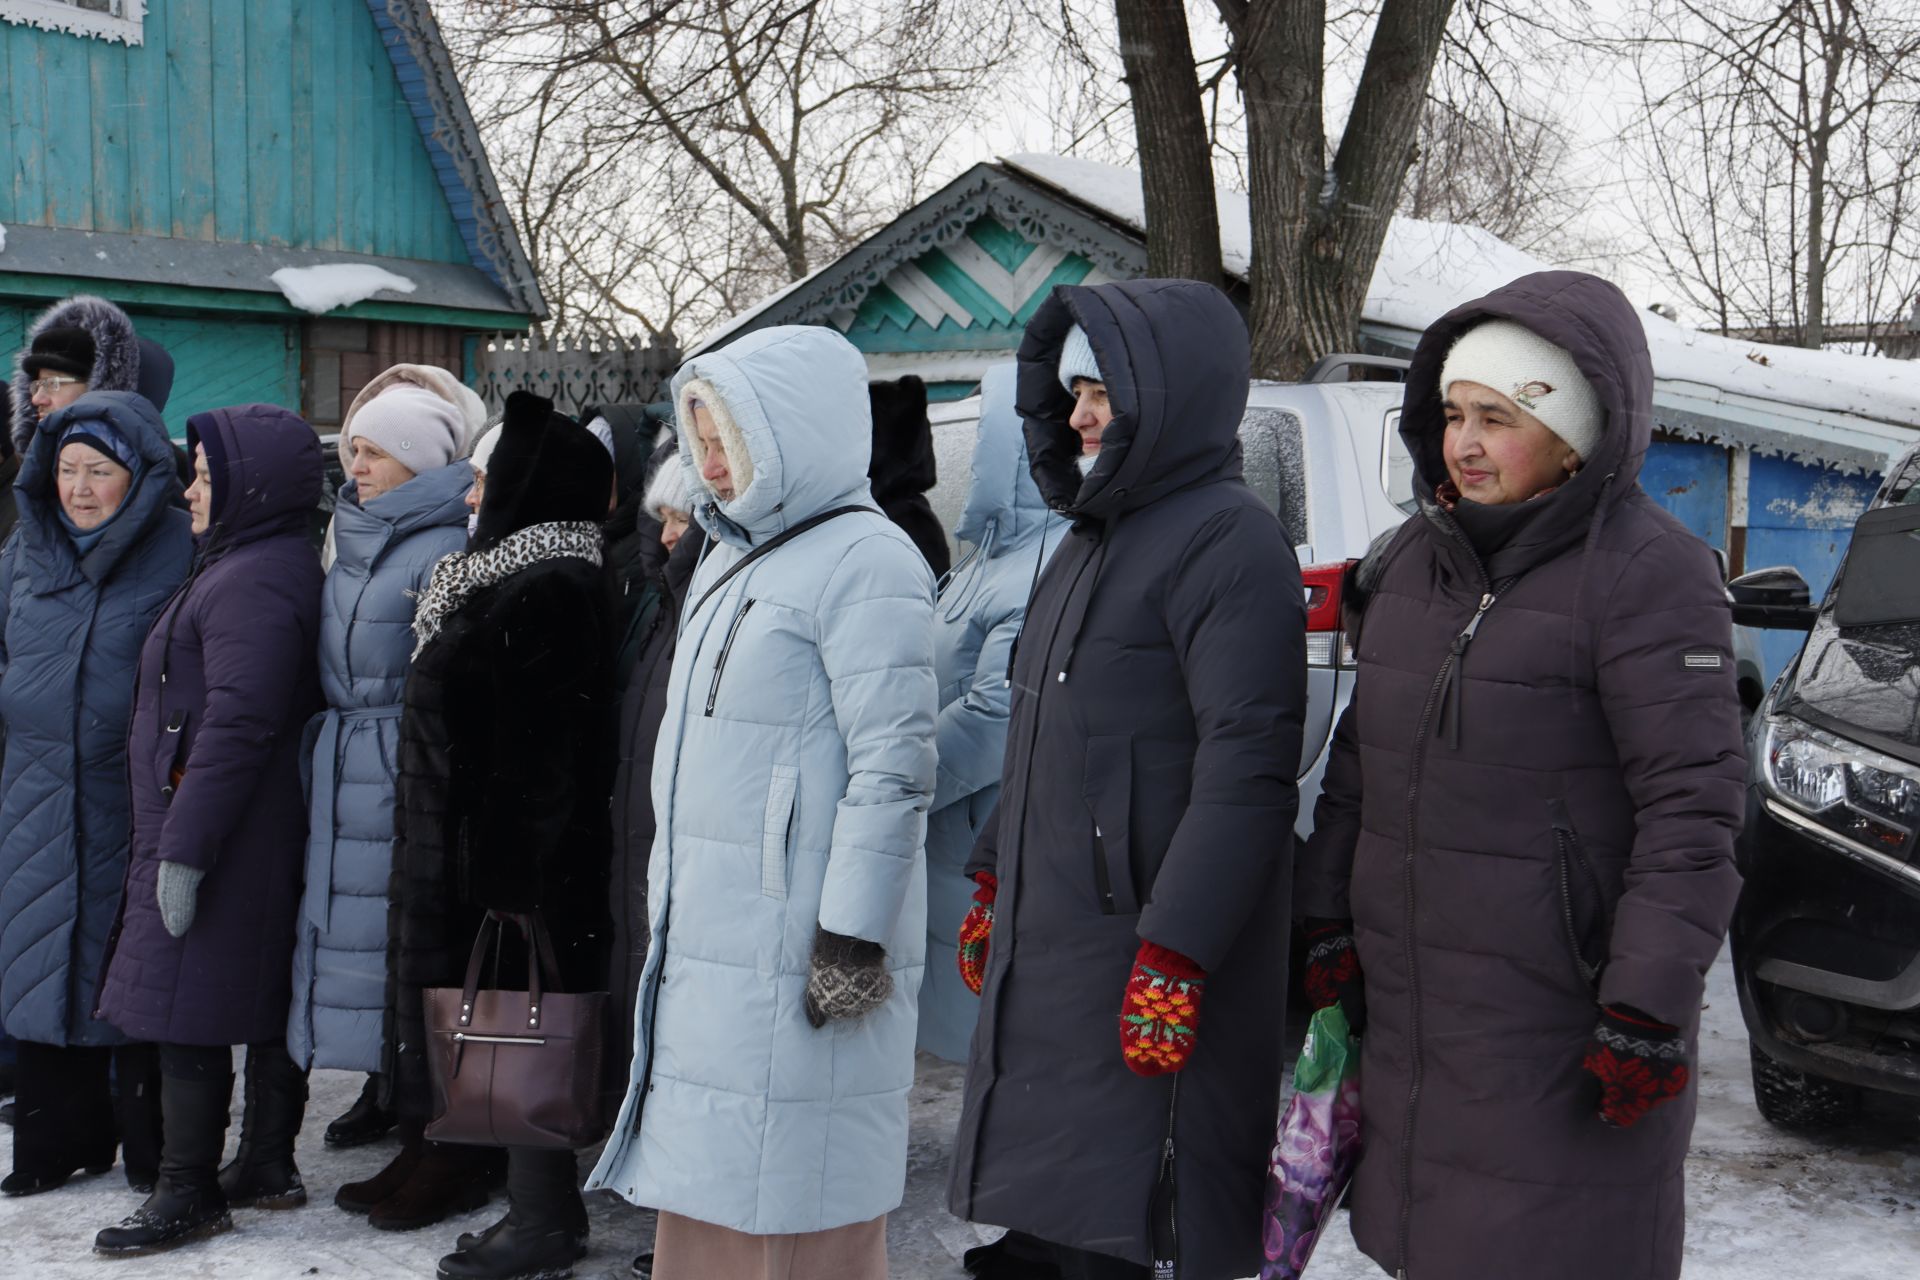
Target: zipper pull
[(1456, 678)]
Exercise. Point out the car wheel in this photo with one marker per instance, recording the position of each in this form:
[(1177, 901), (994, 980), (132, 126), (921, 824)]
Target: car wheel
[(1795, 1100)]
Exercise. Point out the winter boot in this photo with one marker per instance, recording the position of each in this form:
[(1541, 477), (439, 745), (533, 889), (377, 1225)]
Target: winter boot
[(63, 1126), (365, 1121), (136, 1108), (366, 1196), (447, 1180), (544, 1232), (186, 1203), (572, 1209), (262, 1174)]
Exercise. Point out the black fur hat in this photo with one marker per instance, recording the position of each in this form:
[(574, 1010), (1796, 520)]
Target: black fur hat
[(114, 363), (547, 469), (64, 349)]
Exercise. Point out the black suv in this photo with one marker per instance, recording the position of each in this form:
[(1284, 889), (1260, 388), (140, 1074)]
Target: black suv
[(1826, 940)]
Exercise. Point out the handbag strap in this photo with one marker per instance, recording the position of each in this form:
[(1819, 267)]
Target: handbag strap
[(786, 535), (543, 963)]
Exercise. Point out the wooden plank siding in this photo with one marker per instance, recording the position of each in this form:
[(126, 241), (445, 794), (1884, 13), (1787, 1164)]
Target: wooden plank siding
[(235, 121)]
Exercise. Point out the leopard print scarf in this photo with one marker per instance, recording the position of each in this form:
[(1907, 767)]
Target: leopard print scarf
[(461, 573)]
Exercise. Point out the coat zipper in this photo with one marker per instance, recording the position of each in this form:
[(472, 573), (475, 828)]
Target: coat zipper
[(726, 647), (1102, 882), (1455, 651), (1163, 1226)]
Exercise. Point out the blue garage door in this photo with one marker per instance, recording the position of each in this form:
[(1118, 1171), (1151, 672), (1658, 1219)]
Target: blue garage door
[(1690, 480), (1801, 516)]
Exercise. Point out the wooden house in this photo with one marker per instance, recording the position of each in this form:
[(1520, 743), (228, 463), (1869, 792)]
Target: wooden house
[(172, 155)]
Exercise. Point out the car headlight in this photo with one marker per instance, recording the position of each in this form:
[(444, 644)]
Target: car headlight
[(1852, 791)]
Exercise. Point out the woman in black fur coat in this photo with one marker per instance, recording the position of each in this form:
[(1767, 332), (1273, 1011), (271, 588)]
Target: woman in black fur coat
[(506, 761)]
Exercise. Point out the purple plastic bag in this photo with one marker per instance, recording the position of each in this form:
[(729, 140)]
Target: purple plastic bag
[(1316, 1147)]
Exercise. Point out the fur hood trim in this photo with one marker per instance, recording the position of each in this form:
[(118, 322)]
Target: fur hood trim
[(116, 355), (732, 442)]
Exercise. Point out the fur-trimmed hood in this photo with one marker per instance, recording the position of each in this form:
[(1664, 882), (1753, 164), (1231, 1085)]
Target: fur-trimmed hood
[(116, 355), (790, 403)]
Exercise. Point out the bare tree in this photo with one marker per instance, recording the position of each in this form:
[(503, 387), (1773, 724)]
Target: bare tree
[(672, 159), (1183, 217), (1780, 137)]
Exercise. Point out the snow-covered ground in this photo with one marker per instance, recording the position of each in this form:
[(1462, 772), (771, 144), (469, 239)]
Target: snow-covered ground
[(1761, 1203)]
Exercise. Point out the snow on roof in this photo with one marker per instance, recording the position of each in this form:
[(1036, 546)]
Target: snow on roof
[(1427, 268), (729, 325), (318, 290)]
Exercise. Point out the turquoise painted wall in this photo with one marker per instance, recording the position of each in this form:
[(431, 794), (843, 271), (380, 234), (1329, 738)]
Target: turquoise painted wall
[(237, 121), (216, 360)]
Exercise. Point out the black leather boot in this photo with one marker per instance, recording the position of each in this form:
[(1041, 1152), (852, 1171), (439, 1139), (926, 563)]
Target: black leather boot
[(365, 1121), (544, 1232), (262, 1174), (136, 1109), (186, 1204), (65, 1122)]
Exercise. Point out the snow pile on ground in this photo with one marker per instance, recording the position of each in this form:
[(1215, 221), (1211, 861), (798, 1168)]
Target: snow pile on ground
[(1427, 268), (1759, 1202), (318, 290)]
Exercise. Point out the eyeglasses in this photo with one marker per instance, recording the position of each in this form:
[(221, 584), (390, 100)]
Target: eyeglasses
[(47, 384)]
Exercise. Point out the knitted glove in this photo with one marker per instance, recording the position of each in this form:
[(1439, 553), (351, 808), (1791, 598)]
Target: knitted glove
[(1160, 1015), (1639, 1062), (1333, 971), (849, 978), (975, 930), (178, 890)]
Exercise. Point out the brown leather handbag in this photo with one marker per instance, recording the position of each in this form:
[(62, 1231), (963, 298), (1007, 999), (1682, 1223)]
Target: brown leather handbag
[(516, 1068)]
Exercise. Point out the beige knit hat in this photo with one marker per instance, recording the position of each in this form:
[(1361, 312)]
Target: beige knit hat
[(1535, 374)]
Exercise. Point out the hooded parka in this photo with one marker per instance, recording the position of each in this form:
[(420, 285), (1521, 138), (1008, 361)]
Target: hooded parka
[(1148, 794), (384, 552), (226, 682), (71, 626), (1525, 819), (976, 621), (117, 356), (790, 785), (505, 753)]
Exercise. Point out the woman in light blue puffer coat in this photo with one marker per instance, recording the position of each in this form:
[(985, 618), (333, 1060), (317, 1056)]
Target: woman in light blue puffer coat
[(791, 783), (979, 613), (404, 507)]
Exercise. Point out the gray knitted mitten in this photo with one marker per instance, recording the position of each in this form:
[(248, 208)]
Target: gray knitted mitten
[(178, 889), (849, 978)]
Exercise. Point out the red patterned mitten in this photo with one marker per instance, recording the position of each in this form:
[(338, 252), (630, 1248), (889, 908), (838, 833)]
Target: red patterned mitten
[(975, 930), (1160, 1015), (1640, 1064), (1333, 971)]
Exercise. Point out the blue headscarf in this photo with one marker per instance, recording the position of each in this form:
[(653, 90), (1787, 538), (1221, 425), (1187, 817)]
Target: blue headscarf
[(98, 434)]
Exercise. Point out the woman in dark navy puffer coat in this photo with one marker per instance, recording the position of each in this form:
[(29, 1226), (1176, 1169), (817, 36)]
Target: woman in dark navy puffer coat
[(1529, 811), (202, 957), (74, 606)]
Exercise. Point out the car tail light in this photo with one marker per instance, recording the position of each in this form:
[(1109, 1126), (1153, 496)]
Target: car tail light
[(1327, 644)]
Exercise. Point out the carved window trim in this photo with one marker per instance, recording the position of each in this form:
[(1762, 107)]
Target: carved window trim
[(128, 26)]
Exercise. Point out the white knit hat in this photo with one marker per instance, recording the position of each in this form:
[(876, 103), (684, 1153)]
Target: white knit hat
[(1533, 373), (483, 448), (416, 428), (669, 488), (1076, 360)]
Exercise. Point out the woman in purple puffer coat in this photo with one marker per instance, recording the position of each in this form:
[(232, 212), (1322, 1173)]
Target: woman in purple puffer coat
[(201, 957)]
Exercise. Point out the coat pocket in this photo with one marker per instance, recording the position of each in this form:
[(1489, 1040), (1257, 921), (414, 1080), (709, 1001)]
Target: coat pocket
[(726, 648), (1582, 901), (776, 828), (1108, 791)]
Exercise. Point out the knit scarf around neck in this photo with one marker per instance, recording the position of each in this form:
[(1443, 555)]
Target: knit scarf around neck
[(462, 573)]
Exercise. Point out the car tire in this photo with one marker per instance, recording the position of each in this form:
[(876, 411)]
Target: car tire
[(1795, 1100)]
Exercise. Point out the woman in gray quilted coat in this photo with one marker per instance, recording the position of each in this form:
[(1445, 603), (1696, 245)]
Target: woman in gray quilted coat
[(1523, 852)]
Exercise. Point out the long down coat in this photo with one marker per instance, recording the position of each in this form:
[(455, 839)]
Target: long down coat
[(227, 681), (70, 633), (384, 552), (976, 621), (790, 783), (1572, 809), (1148, 794)]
